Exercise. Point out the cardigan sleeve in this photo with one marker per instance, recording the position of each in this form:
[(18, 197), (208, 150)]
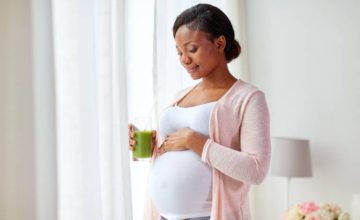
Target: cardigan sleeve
[(251, 164)]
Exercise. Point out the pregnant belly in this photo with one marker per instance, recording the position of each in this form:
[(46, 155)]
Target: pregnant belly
[(179, 182)]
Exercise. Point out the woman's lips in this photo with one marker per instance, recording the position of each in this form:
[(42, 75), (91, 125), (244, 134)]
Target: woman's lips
[(192, 69)]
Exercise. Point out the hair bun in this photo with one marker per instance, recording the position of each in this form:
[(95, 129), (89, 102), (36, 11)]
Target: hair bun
[(232, 50)]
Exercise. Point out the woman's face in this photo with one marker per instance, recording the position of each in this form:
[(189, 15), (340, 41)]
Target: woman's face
[(199, 56)]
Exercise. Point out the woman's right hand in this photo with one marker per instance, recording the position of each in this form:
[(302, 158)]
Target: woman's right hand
[(132, 141)]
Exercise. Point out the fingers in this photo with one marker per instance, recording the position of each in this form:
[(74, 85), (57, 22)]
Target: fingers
[(132, 134), (169, 145), (132, 141), (153, 139), (131, 130), (164, 149)]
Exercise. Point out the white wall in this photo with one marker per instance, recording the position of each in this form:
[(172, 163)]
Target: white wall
[(16, 134), (27, 142), (305, 56)]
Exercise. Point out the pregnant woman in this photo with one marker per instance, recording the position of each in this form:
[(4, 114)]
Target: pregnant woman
[(213, 141)]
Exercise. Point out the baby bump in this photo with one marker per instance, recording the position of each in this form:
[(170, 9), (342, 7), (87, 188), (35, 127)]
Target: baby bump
[(179, 182)]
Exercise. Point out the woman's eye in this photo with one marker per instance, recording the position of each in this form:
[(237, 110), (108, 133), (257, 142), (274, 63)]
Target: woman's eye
[(192, 50)]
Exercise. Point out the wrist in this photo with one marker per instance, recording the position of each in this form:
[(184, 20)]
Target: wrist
[(197, 142)]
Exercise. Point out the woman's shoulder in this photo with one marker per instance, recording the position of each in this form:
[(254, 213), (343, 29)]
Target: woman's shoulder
[(243, 89)]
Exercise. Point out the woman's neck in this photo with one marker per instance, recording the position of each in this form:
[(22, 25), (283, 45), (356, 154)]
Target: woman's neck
[(222, 79)]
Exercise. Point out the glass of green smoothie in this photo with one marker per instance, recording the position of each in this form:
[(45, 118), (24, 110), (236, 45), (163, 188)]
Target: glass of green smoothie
[(143, 137)]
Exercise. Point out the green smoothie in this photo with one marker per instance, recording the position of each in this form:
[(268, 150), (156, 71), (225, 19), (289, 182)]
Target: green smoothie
[(143, 144)]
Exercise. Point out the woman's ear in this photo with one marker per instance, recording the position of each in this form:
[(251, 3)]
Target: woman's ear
[(220, 42)]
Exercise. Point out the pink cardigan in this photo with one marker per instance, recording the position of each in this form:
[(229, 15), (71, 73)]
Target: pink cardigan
[(238, 150)]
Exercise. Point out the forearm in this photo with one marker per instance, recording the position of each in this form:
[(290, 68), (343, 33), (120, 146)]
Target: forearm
[(243, 166)]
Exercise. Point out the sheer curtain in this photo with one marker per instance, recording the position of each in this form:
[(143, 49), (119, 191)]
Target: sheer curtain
[(63, 111), (138, 33), (92, 154)]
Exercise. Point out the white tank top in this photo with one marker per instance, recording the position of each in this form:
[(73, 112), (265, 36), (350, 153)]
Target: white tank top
[(179, 182)]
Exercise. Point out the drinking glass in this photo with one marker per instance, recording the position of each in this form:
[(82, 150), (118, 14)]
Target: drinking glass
[(143, 137)]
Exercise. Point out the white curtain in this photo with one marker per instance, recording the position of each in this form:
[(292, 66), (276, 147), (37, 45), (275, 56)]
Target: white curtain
[(92, 154), (138, 33), (63, 111)]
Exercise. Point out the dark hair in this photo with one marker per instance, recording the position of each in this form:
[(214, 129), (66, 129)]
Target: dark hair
[(214, 22)]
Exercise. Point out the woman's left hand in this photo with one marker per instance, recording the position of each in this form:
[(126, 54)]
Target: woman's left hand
[(183, 139)]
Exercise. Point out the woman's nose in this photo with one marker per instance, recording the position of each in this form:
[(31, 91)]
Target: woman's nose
[(185, 59)]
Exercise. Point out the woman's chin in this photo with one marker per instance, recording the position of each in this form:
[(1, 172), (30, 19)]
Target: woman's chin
[(195, 76)]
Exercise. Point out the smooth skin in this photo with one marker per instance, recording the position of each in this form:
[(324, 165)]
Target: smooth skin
[(203, 59)]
